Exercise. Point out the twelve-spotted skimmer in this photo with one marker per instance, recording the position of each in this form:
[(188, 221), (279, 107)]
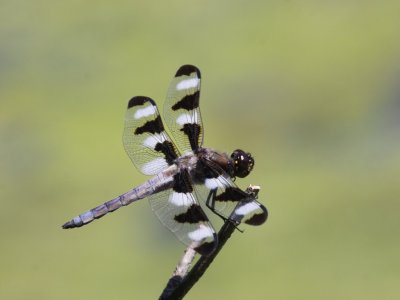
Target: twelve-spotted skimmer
[(185, 172)]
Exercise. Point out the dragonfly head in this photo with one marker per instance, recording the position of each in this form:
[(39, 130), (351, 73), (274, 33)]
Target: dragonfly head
[(242, 162)]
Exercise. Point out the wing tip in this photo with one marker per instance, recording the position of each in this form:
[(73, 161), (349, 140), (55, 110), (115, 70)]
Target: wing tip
[(187, 70), (208, 247), (139, 100), (258, 219)]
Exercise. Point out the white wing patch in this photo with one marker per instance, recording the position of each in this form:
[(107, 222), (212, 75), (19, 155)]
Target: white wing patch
[(247, 208), (156, 164), (188, 118), (145, 112), (153, 140), (183, 119), (187, 84), (200, 234), (180, 199), (213, 183)]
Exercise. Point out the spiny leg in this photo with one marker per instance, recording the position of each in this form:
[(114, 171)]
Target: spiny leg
[(210, 203)]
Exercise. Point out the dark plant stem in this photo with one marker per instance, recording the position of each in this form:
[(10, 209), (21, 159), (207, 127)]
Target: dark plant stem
[(179, 285)]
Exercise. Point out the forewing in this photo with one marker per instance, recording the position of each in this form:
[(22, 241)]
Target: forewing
[(181, 109), (145, 140), (249, 211), (225, 198), (178, 210)]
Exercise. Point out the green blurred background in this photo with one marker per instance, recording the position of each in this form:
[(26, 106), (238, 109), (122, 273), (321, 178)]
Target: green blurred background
[(311, 88)]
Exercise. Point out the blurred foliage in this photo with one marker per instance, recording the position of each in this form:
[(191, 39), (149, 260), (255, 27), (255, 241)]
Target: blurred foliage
[(311, 88)]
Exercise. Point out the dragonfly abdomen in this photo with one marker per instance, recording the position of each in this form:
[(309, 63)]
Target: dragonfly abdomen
[(95, 213), (157, 183)]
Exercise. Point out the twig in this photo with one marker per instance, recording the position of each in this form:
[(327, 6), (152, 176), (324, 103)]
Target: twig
[(180, 272), (179, 284)]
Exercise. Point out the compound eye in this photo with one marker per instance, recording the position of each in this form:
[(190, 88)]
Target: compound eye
[(243, 163)]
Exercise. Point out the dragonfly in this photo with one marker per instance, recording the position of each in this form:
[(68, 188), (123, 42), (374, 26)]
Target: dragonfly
[(187, 178)]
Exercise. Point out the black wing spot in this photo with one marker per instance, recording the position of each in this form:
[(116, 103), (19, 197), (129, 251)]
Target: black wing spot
[(207, 248), (193, 215), (167, 148), (231, 194), (189, 102), (153, 126), (182, 182), (187, 70), (140, 100), (192, 130), (257, 219)]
